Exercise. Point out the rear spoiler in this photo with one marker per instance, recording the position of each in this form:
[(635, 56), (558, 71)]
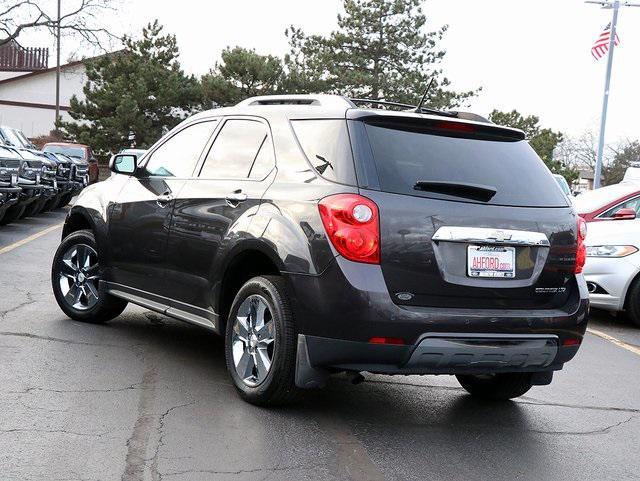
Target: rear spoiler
[(459, 128)]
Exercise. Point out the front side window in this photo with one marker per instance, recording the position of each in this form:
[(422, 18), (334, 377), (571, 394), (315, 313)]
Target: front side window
[(628, 204), (241, 150), (177, 157)]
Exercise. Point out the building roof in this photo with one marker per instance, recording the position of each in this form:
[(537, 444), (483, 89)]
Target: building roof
[(52, 69), (586, 174)]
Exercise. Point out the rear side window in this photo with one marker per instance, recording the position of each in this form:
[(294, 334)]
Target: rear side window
[(325, 143), (512, 169), (242, 150)]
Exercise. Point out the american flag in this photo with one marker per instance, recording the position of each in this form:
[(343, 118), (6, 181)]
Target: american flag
[(601, 46)]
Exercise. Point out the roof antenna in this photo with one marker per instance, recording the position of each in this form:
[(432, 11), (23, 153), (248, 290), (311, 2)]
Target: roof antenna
[(424, 97)]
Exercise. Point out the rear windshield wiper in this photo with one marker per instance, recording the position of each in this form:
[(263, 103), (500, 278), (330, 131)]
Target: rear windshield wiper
[(458, 189)]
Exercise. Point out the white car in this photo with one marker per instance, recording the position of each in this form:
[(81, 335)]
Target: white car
[(613, 266)]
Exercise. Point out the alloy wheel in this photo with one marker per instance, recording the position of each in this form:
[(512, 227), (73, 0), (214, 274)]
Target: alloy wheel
[(78, 277), (253, 340)]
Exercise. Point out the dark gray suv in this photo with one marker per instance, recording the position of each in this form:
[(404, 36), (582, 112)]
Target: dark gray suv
[(320, 237)]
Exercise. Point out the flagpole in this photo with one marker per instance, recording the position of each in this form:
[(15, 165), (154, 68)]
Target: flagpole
[(605, 103)]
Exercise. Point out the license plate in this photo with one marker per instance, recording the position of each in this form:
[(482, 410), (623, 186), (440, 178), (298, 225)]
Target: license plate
[(491, 261), (55, 184), (37, 178), (85, 180), (14, 179)]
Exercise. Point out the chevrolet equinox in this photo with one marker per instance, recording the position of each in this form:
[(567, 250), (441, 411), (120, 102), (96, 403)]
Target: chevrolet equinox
[(318, 236)]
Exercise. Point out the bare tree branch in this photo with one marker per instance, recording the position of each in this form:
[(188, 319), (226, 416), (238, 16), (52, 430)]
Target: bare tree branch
[(83, 20)]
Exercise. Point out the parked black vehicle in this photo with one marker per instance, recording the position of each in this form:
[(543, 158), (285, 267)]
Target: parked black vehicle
[(67, 187), (29, 181), (48, 179), (320, 237), (9, 190)]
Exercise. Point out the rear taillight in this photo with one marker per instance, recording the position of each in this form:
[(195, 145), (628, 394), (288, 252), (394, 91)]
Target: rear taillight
[(352, 223), (581, 251)]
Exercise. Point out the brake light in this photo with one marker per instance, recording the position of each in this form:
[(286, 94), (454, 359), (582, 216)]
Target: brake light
[(456, 126), (353, 226), (396, 341), (581, 251)]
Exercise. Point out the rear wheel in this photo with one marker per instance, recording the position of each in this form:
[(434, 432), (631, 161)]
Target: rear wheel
[(496, 387), (260, 343), (75, 276)]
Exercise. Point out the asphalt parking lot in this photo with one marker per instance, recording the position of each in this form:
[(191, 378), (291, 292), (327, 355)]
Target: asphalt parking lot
[(148, 398)]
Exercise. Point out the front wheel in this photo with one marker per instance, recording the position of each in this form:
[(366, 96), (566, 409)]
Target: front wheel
[(496, 387), (75, 276), (260, 343), (11, 214)]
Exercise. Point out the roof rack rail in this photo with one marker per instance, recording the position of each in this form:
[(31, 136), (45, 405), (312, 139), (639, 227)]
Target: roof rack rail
[(325, 100), (414, 108)]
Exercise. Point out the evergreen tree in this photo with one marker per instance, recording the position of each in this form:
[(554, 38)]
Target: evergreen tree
[(140, 90), (242, 73), (379, 51), (543, 141)]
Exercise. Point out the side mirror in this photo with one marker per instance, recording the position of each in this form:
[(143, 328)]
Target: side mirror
[(625, 214), (123, 164)]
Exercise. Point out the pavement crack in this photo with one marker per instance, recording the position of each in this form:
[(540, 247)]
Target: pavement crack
[(156, 475), (604, 430), (29, 390), (243, 471), (51, 431), (56, 339), (30, 300), (536, 402)]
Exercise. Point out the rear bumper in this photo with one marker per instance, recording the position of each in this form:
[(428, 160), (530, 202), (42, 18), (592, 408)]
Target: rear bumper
[(338, 312), (444, 353)]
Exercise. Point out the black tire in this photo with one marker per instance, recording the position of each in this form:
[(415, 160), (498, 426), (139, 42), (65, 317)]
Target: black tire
[(64, 200), (632, 304), (106, 307), (11, 214), (496, 387), (31, 210), (278, 387)]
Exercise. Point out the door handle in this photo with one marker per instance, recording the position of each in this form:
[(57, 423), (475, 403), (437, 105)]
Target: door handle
[(235, 198), (164, 199)]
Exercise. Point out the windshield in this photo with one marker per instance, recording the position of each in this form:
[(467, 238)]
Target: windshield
[(8, 153), (26, 154), (25, 141), (11, 137), (77, 152), (412, 162)]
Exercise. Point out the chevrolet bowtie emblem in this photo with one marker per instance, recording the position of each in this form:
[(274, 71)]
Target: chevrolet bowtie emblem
[(501, 236)]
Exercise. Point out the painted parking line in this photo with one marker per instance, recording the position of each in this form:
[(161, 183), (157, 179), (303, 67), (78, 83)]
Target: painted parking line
[(26, 240), (616, 341)]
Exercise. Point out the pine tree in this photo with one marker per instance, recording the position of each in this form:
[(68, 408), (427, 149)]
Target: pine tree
[(379, 51), (140, 90)]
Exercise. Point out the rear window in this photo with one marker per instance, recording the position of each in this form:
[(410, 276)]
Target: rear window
[(511, 168), (325, 142)]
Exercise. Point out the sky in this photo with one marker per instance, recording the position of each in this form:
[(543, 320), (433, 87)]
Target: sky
[(529, 55)]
